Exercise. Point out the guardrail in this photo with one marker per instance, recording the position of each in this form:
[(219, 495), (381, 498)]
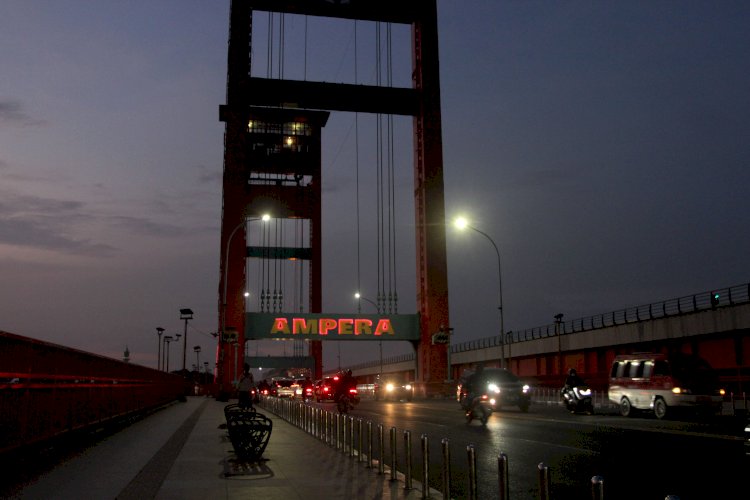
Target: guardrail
[(47, 390), (689, 304), (357, 438)]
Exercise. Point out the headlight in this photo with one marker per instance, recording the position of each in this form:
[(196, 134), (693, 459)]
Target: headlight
[(407, 387), (389, 387), (526, 389), (493, 388), (585, 392)]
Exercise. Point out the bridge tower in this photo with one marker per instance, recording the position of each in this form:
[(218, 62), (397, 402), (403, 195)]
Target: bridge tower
[(240, 200)]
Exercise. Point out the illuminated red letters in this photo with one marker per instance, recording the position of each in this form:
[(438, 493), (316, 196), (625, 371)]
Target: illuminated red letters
[(324, 326)]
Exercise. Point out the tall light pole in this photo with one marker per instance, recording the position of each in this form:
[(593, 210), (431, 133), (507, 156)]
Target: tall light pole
[(167, 340), (264, 218), (558, 331), (360, 298), (462, 223), (197, 350), (187, 315), (159, 331)]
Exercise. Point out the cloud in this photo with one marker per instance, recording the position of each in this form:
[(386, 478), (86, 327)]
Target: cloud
[(46, 224), (148, 227), (12, 113)]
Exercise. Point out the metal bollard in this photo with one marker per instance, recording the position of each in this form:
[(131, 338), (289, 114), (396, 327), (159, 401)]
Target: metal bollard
[(327, 428), (425, 466), (544, 481), (360, 440), (472, 457), (381, 444), (407, 458), (351, 436), (369, 443), (597, 488), (339, 431), (393, 454), (502, 476), (446, 468)]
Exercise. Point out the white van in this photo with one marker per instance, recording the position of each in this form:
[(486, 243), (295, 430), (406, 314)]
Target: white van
[(662, 383)]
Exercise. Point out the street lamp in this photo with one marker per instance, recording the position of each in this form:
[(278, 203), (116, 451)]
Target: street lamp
[(360, 298), (167, 340), (187, 315), (558, 332), (264, 218), (461, 223), (197, 350), (159, 331)]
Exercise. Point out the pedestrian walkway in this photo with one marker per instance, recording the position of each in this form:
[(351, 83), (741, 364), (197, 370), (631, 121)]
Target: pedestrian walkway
[(183, 452)]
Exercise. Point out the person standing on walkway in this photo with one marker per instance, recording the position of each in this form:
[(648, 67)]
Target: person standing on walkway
[(244, 386)]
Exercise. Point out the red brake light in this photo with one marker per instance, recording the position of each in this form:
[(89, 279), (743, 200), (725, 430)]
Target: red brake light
[(335, 377), (325, 389), (352, 391)]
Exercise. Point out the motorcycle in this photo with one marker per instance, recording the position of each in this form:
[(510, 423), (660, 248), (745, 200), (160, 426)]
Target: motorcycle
[(346, 400), (577, 399), (480, 407)]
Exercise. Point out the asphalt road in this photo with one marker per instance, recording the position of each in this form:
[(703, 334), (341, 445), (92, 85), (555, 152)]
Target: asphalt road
[(638, 457)]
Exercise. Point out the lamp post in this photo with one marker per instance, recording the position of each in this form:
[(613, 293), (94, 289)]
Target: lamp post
[(558, 332), (264, 218), (462, 223), (167, 340), (360, 298), (197, 350), (159, 331), (187, 315)]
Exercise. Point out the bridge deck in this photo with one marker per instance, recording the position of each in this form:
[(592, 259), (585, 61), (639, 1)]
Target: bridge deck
[(181, 452)]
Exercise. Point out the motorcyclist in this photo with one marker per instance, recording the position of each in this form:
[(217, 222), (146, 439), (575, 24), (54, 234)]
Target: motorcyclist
[(572, 380), (471, 387), (345, 382)]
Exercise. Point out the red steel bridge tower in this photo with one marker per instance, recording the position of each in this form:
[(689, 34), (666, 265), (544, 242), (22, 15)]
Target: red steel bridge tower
[(280, 101)]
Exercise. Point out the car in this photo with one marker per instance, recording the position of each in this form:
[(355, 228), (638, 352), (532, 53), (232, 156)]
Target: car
[(664, 384), (502, 387), (394, 387), (283, 387), (324, 389), (303, 388)]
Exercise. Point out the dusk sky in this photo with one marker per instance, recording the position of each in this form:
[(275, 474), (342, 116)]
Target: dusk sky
[(604, 146)]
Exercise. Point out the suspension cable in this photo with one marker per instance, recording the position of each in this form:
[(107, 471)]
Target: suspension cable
[(269, 55), (356, 169), (392, 185), (381, 296)]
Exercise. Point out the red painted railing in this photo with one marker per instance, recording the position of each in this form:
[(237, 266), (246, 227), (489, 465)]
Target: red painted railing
[(47, 390)]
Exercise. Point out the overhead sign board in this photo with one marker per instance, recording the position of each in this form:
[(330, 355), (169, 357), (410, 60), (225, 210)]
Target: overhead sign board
[(259, 326)]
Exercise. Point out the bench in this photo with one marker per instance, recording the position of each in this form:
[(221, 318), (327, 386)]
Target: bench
[(249, 431)]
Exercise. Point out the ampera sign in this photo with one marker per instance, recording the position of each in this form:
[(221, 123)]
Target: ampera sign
[(332, 326)]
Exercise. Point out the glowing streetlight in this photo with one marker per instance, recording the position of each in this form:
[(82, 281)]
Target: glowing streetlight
[(462, 223), (223, 338), (360, 298), (264, 218)]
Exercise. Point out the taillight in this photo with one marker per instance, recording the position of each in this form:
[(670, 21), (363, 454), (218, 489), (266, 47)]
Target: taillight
[(325, 389), (352, 391)]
